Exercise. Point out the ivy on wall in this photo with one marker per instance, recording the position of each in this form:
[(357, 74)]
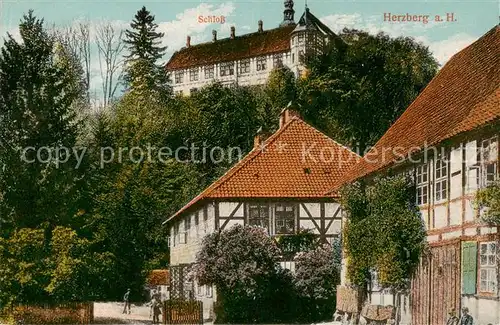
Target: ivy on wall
[(488, 200), (384, 231)]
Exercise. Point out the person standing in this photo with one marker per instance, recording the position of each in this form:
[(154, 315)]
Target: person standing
[(126, 300), (453, 320), (466, 319), (155, 310)]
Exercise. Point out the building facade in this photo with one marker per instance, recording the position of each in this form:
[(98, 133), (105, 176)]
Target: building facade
[(248, 59), (450, 137), (276, 186)]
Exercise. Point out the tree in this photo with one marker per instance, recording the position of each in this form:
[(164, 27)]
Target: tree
[(143, 71), (355, 92), (38, 92), (242, 263), (278, 91), (317, 275), (64, 270), (110, 46)]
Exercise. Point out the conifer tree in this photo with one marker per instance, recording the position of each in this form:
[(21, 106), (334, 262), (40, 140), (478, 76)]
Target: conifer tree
[(143, 69), (38, 93)]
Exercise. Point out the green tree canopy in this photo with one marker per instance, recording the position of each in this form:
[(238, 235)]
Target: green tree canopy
[(355, 92)]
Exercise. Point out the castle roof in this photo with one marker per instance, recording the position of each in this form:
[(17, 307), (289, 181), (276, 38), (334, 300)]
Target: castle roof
[(266, 42)]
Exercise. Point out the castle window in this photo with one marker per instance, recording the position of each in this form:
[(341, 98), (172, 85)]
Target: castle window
[(209, 72), (278, 60), (193, 74), (226, 69), (245, 66), (301, 38), (261, 63), (179, 77)]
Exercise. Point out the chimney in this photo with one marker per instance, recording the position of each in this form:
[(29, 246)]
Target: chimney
[(188, 41), (259, 138), (214, 35), (233, 30), (260, 26), (288, 113)]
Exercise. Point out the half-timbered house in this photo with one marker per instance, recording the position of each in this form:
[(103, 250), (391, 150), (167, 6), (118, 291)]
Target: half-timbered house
[(279, 185), (448, 138)]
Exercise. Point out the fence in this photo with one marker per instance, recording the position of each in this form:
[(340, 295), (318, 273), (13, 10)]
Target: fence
[(183, 312), (69, 313)]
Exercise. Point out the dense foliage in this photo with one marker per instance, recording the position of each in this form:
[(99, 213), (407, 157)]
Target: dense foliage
[(488, 200), (384, 232), (243, 264), (355, 92)]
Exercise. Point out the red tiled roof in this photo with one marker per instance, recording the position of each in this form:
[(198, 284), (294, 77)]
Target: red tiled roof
[(296, 162), (227, 49), (158, 277), (463, 96)]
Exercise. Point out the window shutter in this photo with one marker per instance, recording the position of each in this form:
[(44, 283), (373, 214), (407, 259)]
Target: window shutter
[(469, 267)]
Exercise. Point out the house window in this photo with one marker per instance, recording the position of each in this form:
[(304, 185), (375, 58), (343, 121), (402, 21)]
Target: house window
[(209, 72), (285, 219), (193, 90), (245, 66), (208, 290), (179, 77), (179, 93), (261, 63), (422, 183), (258, 215), (200, 288), (187, 224), (278, 60), (487, 267), (226, 69), (489, 161), (205, 221), (197, 222), (441, 181), (293, 57), (193, 74), (176, 233)]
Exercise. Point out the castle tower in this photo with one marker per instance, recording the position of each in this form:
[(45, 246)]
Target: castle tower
[(288, 14)]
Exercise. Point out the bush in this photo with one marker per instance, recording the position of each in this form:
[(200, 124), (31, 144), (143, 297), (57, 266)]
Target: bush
[(243, 264)]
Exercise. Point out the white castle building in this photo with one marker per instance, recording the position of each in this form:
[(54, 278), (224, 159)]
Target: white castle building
[(248, 59)]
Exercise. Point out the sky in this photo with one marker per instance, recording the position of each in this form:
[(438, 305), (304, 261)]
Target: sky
[(177, 19)]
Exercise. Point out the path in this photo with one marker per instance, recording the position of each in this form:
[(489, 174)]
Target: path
[(111, 313)]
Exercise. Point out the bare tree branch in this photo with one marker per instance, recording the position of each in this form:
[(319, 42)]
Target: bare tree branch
[(110, 46)]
